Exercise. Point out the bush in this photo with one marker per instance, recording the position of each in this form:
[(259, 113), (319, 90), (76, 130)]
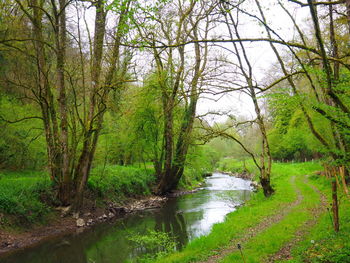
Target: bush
[(200, 161)]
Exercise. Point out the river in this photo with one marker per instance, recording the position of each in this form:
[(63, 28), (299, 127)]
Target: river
[(183, 218)]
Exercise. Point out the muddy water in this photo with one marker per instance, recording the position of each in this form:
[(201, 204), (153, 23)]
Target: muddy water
[(183, 218)]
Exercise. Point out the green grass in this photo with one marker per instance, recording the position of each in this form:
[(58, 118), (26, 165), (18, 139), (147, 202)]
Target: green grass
[(237, 223), (27, 197), (273, 238), (322, 244), (237, 166)]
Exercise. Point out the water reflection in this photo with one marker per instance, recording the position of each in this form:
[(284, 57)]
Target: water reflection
[(170, 219), (184, 218)]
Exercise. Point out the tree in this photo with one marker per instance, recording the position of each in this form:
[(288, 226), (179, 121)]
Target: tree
[(71, 122), (186, 21), (242, 70)]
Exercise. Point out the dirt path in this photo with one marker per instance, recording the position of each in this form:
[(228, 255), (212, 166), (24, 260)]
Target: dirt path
[(266, 223), (285, 252)]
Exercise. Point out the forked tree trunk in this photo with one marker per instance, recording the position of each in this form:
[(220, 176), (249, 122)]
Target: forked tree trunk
[(98, 100), (170, 178)]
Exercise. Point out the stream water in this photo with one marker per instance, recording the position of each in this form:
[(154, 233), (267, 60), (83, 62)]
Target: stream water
[(183, 218)]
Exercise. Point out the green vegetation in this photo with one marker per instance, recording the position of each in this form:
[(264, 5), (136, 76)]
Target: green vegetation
[(322, 244), (156, 243), (25, 197), (119, 182), (122, 106), (237, 166), (28, 197), (200, 161), (269, 240)]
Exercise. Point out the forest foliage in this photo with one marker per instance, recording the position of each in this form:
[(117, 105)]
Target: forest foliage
[(87, 86)]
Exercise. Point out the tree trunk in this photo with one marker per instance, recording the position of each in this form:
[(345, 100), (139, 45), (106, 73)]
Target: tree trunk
[(348, 13), (266, 185), (83, 167), (46, 97), (171, 178), (98, 96), (335, 208), (65, 184)]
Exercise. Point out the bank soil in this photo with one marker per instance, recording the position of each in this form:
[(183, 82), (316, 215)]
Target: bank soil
[(64, 222)]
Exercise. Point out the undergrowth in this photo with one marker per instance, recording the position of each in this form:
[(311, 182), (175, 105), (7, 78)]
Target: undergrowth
[(23, 197), (117, 182), (155, 244)]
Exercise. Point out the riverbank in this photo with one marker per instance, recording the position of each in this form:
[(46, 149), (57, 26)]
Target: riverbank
[(12, 239), (293, 225), (141, 234), (30, 215)]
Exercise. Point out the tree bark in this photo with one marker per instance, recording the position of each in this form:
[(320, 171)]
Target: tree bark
[(335, 208), (83, 167), (65, 184), (243, 59), (98, 96)]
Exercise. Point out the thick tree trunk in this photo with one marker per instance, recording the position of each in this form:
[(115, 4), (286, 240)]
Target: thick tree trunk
[(66, 177), (168, 136), (266, 186), (170, 179)]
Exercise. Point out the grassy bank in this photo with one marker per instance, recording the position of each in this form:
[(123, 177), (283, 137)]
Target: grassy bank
[(237, 166), (24, 197), (116, 183), (27, 198), (295, 193)]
